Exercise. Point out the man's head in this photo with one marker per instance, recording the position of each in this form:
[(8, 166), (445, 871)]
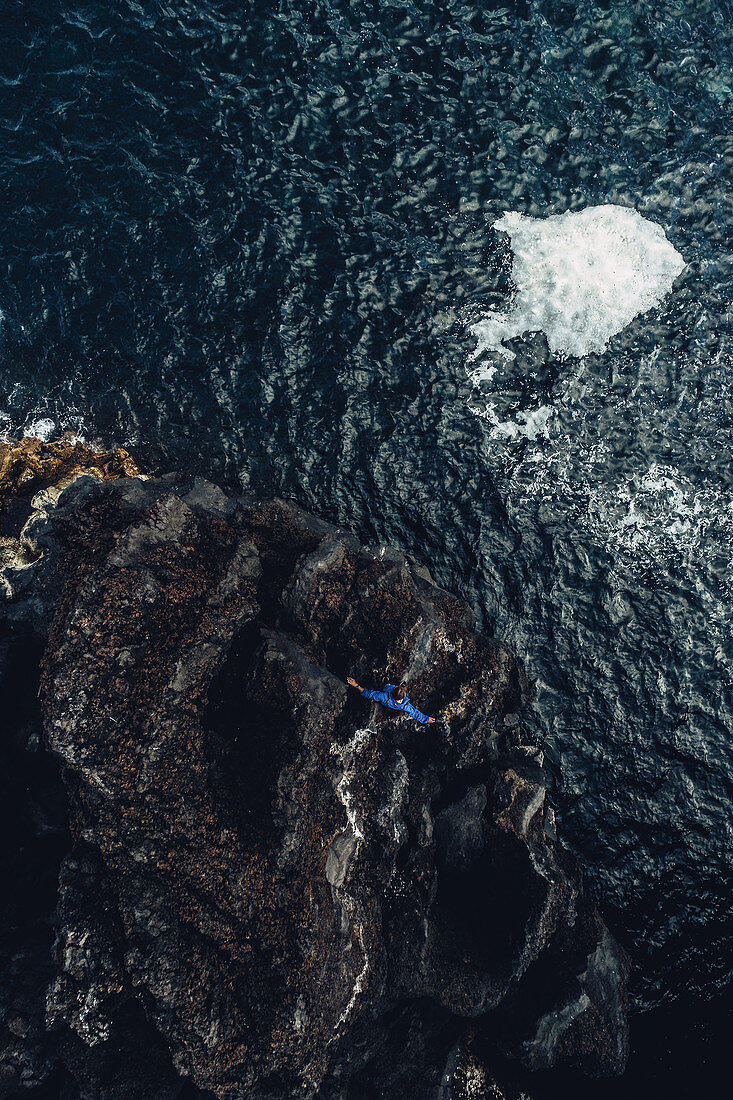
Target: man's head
[(399, 693)]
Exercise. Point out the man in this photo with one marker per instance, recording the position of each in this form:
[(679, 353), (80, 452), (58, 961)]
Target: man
[(396, 698)]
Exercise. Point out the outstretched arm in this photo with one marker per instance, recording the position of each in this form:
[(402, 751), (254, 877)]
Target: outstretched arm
[(367, 693), (418, 714)]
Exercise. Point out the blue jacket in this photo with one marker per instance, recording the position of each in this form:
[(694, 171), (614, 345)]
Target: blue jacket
[(385, 698)]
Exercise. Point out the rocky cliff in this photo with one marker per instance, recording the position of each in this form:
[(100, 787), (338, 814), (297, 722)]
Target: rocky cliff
[(250, 882)]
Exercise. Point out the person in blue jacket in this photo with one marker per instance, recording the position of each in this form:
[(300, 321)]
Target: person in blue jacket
[(392, 696)]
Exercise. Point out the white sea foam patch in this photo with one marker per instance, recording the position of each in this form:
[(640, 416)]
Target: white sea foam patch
[(70, 425), (581, 277), (531, 424), (42, 428), (658, 516)]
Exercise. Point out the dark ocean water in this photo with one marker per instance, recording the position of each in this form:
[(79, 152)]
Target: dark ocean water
[(247, 239)]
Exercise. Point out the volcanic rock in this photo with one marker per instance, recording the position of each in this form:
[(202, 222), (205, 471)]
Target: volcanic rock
[(274, 888)]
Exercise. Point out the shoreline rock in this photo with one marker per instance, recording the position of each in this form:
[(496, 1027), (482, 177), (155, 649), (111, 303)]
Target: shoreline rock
[(28, 466), (277, 888)]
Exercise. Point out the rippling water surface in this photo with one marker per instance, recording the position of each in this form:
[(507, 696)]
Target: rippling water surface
[(253, 240)]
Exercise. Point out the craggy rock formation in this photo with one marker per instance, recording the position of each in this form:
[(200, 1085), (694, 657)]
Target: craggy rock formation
[(275, 889), (33, 474), (30, 465)]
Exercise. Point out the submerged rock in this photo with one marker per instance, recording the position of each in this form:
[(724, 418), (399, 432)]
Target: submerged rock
[(275, 888)]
